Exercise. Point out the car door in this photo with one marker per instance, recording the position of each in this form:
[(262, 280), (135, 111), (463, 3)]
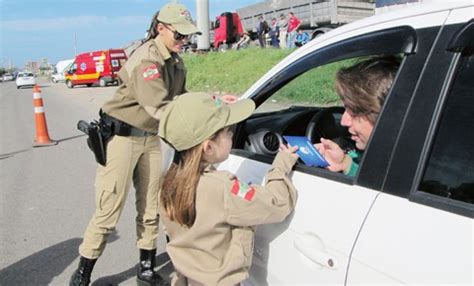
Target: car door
[(314, 243), (420, 229)]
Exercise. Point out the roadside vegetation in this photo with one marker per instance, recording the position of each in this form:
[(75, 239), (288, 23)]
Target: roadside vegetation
[(233, 72)]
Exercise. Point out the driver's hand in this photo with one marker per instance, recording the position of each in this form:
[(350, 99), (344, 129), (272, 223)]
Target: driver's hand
[(333, 154), (289, 149)]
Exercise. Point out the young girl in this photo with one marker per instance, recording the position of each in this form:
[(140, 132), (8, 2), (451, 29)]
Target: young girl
[(210, 215)]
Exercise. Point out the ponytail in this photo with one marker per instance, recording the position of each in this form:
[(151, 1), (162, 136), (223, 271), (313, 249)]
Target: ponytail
[(151, 33), (178, 194)]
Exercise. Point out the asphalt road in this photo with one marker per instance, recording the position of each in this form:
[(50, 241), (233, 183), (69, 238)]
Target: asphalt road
[(47, 193)]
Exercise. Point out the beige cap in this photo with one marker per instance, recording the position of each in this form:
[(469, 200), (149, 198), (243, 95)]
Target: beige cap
[(194, 117), (179, 17)]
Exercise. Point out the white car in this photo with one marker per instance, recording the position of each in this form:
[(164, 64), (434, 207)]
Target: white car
[(25, 79), (59, 70), (407, 215), (7, 77)]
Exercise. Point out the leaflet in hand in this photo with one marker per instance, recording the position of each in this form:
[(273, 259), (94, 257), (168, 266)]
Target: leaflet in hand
[(307, 152)]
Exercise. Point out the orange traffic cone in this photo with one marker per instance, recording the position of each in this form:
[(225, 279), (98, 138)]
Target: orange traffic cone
[(42, 137)]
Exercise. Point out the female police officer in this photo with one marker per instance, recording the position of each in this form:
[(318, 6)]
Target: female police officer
[(151, 77)]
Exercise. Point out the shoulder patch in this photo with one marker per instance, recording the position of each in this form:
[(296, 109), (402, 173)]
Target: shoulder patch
[(151, 72), (243, 190)]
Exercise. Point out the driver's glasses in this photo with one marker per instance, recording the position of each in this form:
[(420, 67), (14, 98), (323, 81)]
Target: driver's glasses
[(177, 36)]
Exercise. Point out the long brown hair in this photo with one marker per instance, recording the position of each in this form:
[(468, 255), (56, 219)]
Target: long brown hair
[(178, 194)]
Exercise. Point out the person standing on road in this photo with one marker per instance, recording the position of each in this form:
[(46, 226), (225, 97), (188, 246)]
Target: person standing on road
[(274, 32), (283, 26), (210, 215), (152, 76), (262, 29), (293, 25)]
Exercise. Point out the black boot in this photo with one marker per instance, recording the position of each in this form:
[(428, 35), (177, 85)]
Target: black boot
[(82, 276), (146, 274)]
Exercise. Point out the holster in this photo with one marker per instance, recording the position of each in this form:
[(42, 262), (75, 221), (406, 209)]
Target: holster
[(99, 134)]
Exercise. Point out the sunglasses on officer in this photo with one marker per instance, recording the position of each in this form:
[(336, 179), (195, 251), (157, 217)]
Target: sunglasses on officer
[(177, 36)]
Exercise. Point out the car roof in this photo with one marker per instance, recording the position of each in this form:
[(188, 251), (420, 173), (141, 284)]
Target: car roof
[(421, 15)]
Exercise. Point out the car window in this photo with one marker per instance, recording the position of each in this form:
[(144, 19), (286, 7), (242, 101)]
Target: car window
[(306, 106), (450, 169), (314, 87)]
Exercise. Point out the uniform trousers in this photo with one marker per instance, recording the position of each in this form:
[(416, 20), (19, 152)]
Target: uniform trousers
[(136, 159)]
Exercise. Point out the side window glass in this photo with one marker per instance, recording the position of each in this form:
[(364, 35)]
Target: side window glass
[(314, 87), (325, 102), (450, 169)]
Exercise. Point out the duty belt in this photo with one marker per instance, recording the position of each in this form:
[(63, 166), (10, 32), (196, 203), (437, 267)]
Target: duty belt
[(121, 128)]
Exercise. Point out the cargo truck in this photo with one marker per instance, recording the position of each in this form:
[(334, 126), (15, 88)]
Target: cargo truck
[(317, 17)]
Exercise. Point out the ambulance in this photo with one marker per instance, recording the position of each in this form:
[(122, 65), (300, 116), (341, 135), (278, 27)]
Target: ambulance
[(99, 67)]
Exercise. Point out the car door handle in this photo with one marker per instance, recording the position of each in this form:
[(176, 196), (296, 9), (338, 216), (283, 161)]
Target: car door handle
[(312, 247)]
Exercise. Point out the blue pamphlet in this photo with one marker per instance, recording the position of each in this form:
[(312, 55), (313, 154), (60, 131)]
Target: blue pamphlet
[(307, 152)]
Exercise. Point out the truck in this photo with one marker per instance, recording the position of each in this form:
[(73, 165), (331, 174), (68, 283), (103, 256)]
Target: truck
[(388, 5), (98, 67), (227, 30), (224, 31), (317, 16), (60, 68)]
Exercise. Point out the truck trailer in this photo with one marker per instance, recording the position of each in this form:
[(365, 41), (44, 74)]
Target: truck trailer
[(317, 16)]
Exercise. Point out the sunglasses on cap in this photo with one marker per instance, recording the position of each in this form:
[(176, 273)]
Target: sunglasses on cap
[(177, 36)]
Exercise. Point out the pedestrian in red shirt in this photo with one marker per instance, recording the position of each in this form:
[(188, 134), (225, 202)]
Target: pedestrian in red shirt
[(293, 25)]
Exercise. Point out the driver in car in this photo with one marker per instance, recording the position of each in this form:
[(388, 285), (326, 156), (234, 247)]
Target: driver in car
[(362, 88)]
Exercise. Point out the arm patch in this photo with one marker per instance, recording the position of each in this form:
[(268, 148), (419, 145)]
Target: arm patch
[(243, 190), (151, 72)]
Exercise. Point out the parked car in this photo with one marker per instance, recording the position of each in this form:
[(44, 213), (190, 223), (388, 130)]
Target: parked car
[(7, 77), (25, 79), (60, 70), (406, 217)]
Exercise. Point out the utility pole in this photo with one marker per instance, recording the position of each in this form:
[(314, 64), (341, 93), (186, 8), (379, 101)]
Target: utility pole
[(202, 19)]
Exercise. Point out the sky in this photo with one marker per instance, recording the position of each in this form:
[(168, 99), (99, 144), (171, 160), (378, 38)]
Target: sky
[(35, 29)]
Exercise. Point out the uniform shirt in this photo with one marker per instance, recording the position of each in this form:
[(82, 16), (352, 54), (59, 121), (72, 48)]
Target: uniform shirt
[(151, 78), (217, 249)]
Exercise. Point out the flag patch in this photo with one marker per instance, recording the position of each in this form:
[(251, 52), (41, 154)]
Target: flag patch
[(151, 72), (243, 190)]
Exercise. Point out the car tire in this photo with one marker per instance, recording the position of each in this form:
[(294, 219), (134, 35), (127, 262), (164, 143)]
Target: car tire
[(102, 82), (69, 84)]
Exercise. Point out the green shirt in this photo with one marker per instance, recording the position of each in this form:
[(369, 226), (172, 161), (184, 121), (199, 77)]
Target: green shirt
[(354, 167)]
